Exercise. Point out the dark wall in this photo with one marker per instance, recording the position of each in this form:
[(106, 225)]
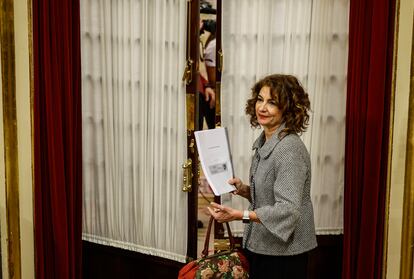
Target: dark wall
[(108, 262), (325, 262), (101, 262)]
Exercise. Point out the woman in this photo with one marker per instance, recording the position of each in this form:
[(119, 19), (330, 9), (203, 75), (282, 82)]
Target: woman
[(280, 227)]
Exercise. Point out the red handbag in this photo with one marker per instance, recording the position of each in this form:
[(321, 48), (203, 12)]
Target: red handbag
[(227, 264)]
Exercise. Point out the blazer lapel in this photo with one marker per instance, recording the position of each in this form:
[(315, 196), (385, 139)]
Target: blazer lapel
[(268, 146)]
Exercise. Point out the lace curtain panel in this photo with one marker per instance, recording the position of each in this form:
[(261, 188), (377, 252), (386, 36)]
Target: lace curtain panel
[(308, 39), (133, 107)]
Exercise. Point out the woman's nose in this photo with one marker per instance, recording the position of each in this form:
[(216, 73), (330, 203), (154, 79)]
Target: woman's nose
[(262, 106)]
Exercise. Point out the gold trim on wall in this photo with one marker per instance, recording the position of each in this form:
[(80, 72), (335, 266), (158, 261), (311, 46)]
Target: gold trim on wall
[(31, 73), (390, 142), (191, 111), (407, 242), (8, 75), (31, 77)]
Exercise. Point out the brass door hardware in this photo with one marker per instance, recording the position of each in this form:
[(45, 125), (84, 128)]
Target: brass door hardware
[(221, 61), (187, 176), (191, 146), (188, 73)]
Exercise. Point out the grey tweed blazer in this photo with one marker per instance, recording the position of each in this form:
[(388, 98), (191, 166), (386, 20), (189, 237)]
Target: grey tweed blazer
[(280, 178)]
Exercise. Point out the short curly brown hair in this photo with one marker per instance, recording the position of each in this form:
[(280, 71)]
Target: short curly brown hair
[(290, 98)]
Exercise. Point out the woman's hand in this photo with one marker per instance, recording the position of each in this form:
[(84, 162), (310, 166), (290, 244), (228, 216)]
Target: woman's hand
[(236, 182), (224, 213), (241, 189)]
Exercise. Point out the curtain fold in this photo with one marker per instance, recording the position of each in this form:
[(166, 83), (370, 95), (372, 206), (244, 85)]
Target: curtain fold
[(367, 131), (57, 139), (133, 121), (259, 38), (327, 76), (310, 40)]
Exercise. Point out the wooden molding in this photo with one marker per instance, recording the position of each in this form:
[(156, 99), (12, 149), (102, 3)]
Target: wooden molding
[(407, 241), (8, 75)]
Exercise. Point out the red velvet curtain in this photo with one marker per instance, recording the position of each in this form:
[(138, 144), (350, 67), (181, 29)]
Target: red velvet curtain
[(367, 132), (57, 139)]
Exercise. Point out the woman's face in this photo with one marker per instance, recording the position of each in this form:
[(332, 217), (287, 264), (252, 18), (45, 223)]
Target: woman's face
[(268, 114)]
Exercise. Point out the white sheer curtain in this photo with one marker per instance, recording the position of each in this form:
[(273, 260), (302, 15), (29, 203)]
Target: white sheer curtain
[(134, 138), (301, 37), (327, 88)]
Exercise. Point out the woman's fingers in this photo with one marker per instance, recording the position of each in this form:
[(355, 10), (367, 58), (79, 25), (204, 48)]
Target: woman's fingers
[(216, 205), (232, 181), (215, 212), (235, 181), (211, 211), (214, 208), (220, 212)]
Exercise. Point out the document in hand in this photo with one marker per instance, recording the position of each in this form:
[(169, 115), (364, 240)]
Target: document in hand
[(215, 157)]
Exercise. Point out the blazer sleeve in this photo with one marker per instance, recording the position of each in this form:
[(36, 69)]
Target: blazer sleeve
[(291, 174)]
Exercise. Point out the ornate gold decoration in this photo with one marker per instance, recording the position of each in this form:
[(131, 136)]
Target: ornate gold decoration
[(10, 137)]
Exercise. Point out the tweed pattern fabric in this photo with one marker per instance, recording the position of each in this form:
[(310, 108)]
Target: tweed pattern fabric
[(280, 177)]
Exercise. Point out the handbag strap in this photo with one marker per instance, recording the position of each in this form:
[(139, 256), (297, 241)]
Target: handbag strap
[(204, 253)]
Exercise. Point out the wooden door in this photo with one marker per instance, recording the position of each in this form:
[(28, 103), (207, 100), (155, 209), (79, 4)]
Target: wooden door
[(190, 167)]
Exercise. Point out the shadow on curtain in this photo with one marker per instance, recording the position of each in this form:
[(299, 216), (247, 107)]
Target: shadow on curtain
[(57, 139), (367, 130)]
